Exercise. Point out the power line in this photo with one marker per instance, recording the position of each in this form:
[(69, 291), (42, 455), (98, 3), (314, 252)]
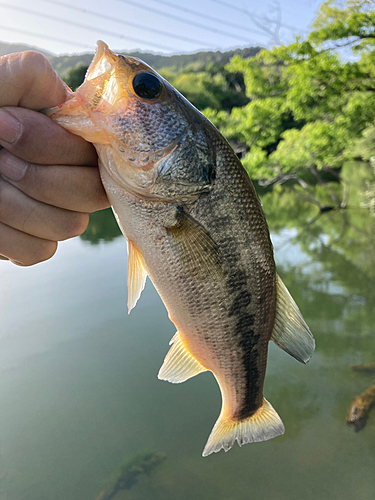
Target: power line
[(127, 23), (182, 20), (244, 10), (46, 37), (212, 18), (83, 26)]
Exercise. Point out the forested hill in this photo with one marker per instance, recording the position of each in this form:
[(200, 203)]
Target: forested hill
[(194, 62), (10, 48)]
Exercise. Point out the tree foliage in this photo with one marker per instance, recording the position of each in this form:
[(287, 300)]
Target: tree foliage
[(76, 76), (310, 102), (214, 87)]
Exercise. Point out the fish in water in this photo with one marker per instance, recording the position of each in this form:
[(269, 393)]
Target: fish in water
[(195, 226)]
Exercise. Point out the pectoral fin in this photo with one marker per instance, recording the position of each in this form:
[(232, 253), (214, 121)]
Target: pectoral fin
[(195, 249), (179, 365), (291, 332), (136, 275)]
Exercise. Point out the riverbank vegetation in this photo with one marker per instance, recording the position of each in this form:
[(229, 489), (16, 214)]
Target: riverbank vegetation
[(311, 103)]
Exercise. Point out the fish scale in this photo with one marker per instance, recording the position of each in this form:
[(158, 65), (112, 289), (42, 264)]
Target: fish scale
[(195, 226)]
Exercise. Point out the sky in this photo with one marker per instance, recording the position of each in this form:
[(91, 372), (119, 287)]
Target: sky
[(159, 26)]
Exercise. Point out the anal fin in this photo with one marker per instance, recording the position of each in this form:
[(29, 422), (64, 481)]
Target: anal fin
[(291, 332), (179, 365), (136, 275)]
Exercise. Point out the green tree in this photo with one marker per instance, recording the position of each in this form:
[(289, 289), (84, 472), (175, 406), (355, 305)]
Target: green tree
[(309, 103), (213, 87), (75, 76)]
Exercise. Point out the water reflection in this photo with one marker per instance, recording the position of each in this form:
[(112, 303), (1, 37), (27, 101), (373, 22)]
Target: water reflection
[(102, 228), (334, 282)]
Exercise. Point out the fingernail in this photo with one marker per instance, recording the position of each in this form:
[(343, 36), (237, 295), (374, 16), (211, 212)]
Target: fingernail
[(12, 167), (10, 127)]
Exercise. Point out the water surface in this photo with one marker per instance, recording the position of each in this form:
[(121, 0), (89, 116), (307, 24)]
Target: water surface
[(79, 392)]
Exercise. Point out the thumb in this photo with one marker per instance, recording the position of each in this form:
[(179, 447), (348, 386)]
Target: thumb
[(28, 80)]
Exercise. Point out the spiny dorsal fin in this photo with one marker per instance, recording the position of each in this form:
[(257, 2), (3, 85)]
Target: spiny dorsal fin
[(264, 424), (291, 332), (195, 249), (179, 365), (136, 275)]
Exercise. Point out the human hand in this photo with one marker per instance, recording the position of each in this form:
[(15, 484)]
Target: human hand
[(48, 179)]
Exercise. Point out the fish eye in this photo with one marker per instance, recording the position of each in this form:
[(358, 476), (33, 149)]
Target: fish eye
[(147, 85)]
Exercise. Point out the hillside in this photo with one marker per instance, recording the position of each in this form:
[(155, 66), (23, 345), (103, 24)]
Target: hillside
[(191, 62), (197, 61), (10, 48)]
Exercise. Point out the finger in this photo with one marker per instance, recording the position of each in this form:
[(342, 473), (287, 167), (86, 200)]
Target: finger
[(73, 188), (36, 138), (23, 249), (21, 212), (27, 79)]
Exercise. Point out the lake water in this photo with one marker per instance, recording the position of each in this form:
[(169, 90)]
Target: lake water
[(79, 391)]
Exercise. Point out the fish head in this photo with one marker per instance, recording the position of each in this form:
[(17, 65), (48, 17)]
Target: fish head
[(149, 138)]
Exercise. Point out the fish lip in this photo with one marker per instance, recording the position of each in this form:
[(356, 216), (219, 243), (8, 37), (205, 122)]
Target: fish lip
[(104, 59)]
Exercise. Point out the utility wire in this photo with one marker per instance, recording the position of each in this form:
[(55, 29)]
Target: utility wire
[(127, 23), (83, 26), (182, 20), (244, 10), (212, 18), (46, 37)]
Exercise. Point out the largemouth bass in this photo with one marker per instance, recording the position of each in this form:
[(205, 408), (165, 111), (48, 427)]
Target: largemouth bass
[(195, 226)]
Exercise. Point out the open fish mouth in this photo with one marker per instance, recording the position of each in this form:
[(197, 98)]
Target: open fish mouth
[(88, 105), (104, 60)]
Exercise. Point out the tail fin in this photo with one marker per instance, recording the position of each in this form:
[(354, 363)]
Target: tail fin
[(264, 424)]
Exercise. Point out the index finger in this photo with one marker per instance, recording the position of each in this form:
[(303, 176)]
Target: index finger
[(38, 139)]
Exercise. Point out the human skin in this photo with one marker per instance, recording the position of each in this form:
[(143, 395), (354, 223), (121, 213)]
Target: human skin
[(49, 180)]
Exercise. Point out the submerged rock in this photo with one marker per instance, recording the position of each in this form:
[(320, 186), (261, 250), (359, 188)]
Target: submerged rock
[(128, 472), (370, 368), (360, 408)]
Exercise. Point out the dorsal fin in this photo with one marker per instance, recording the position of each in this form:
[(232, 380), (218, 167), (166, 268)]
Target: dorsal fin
[(291, 332), (136, 275), (179, 365)]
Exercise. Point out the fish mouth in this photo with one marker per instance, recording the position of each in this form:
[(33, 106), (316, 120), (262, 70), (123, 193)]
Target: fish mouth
[(104, 59), (91, 101)]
